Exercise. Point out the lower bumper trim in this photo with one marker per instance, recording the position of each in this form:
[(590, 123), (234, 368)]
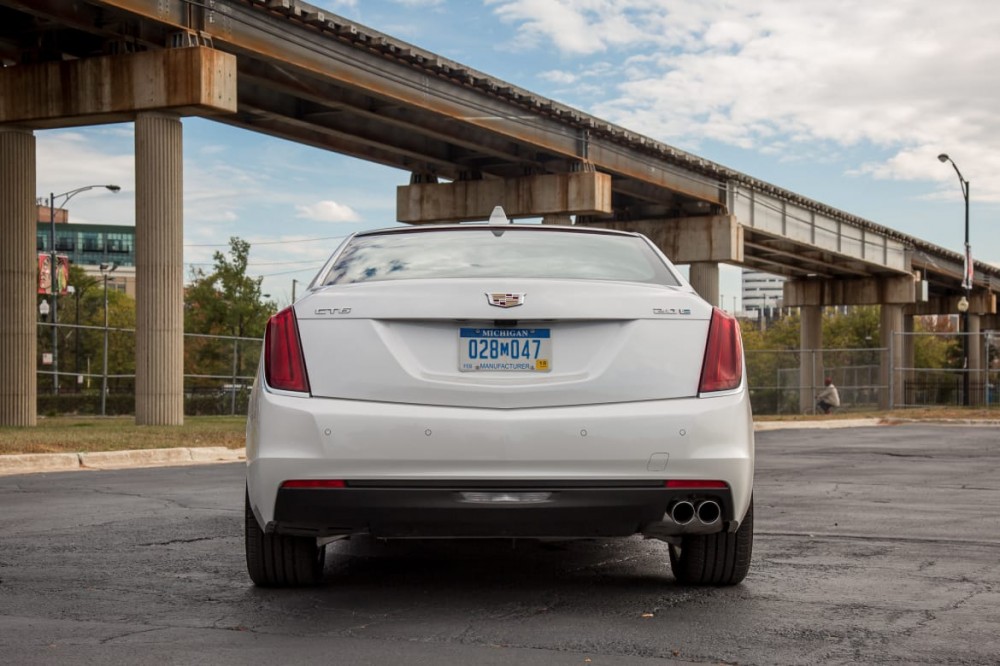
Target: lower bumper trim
[(496, 509)]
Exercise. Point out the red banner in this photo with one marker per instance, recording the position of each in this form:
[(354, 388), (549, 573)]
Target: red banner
[(970, 268), (45, 273)]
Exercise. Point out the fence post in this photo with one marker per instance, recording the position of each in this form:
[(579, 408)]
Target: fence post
[(892, 370), (812, 389), (232, 401)]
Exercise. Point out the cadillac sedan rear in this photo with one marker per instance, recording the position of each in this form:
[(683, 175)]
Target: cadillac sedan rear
[(500, 381)]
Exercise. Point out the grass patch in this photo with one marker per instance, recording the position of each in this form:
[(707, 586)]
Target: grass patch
[(916, 413), (73, 434)]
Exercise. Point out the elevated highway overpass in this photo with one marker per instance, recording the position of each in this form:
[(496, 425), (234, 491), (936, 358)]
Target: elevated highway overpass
[(466, 140)]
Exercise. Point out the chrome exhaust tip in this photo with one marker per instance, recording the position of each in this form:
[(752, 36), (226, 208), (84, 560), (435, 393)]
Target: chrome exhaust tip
[(682, 512), (709, 512)]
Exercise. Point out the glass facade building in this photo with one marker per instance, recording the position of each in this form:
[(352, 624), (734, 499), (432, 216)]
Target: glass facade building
[(90, 244)]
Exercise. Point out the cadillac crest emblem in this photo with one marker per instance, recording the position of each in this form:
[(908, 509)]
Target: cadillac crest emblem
[(502, 300)]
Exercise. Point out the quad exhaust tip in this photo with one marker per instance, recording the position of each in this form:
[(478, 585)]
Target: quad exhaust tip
[(709, 512), (682, 512)]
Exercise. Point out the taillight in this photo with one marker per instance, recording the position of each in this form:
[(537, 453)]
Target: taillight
[(694, 483), (722, 369), (314, 483), (284, 366)]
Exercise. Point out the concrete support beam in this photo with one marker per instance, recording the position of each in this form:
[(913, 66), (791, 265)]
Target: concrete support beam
[(580, 193), (159, 250), (981, 302), (188, 81), (862, 291), (890, 375), (18, 279), (704, 277), (810, 357), (686, 240), (564, 220)]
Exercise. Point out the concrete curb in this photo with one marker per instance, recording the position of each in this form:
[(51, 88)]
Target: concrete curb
[(761, 426), (66, 462)]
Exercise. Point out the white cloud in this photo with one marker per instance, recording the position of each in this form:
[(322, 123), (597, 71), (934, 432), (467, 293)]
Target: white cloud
[(419, 3), (559, 77), (327, 211), (911, 77), (70, 159)]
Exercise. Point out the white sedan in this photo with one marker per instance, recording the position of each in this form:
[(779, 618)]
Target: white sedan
[(508, 381)]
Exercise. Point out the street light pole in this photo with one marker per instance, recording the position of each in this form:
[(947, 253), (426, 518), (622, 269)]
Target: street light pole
[(55, 291), (966, 283), (54, 265), (106, 270)]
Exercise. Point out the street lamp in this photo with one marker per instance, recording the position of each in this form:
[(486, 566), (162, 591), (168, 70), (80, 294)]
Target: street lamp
[(967, 276), (106, 270), (53, 264)]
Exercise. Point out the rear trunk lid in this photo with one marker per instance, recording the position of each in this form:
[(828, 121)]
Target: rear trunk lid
[(448, 342)]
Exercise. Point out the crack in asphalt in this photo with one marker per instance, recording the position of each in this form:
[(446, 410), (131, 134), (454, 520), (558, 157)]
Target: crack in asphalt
[(890, 539), (164, 500), (192, 540), (105, 641)]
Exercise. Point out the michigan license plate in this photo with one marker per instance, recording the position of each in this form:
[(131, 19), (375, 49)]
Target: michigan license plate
[(504, 350)]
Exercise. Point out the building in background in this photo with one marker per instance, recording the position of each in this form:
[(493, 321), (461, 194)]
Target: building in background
[(762, 292), (90, 245)]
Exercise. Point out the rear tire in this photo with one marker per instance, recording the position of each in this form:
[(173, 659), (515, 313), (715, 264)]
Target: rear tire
[(278, 560), (714, 559)]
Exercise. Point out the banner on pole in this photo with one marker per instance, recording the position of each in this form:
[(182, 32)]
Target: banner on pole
[(45, 273), (970, 269)]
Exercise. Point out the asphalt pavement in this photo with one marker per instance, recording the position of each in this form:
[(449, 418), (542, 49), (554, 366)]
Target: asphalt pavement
[(873, 545)]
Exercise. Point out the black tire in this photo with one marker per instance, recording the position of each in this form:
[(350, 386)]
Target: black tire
[(714, 559), (278, 560)]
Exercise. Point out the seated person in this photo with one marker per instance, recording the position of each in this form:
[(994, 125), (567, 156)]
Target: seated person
[(828, 398)]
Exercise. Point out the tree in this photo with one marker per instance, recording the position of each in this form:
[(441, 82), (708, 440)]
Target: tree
[(82, 348), (225, 301)]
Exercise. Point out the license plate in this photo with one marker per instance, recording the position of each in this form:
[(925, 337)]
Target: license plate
[(504, 350)]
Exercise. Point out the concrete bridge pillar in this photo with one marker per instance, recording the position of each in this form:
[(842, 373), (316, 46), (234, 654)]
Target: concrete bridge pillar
[(18, 285), (159, 250), (704, 277), (811, 359), (890, 375)]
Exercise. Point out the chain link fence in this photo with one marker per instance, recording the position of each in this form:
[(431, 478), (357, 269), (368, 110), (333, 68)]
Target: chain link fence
[(219, 371), (973, 380), (779, 378)]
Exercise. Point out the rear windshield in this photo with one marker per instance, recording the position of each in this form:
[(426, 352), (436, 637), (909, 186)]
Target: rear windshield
[(495, 253)]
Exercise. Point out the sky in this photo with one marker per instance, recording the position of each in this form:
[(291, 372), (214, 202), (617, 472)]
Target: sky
[(848, 103)]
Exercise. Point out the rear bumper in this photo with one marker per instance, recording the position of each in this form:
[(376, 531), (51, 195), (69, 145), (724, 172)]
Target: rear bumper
[(492, 509), (589, 456)]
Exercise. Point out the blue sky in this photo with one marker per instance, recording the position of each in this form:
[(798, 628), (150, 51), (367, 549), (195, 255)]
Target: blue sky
[(848, 103)]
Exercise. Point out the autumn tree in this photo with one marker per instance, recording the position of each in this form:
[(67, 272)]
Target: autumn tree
[(225, 302)]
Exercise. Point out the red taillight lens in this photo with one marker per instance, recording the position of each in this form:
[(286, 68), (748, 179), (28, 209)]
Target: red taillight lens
[(314, 483), (686, 483), (723, 366), (284, 367)]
